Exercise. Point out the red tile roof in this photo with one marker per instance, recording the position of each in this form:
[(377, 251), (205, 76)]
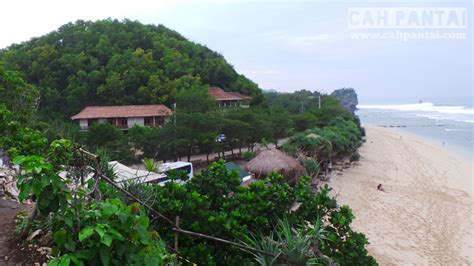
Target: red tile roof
[(91, 112), (238, 94), (221, 95)]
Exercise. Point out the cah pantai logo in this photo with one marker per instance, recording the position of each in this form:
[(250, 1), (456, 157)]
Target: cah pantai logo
[(407, 18)]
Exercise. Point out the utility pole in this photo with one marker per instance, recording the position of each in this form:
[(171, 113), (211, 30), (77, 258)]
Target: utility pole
[(301, 107), (174, 114), (174, 129), (319, 101)]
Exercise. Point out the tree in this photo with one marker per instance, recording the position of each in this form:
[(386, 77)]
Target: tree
[(111, 139), (230, 211), (18, 96), (109, 62), (194, 99), (193, 130)]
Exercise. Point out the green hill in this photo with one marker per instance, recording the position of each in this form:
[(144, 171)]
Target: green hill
[(118, 62)]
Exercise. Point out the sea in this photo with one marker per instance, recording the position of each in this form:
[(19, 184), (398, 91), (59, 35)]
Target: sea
[(445, 123)]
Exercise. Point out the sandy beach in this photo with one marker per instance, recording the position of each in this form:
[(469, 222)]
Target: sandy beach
[(425, 215)]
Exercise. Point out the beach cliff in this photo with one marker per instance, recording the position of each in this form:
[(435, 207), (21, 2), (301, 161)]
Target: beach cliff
[(347, 97)]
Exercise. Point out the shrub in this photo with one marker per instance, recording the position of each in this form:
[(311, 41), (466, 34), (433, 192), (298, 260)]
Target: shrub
[(311, 167), (111, 139), (248, 155), (109, 233), (150, 165), (355, 157), (230, 211)]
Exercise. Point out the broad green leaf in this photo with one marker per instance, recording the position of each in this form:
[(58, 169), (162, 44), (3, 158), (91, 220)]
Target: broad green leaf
[(85, 233), (151, 260), (100, 230), (106, 240), (144, 221), (104, 254), (60, 237), (19, 160), (24, 192), (70, 245), (115, 234), (65, 260), (108, 209), (67, 221)]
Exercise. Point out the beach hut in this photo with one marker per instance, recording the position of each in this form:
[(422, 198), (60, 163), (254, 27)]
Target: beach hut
[(244, 176), (273, 160)]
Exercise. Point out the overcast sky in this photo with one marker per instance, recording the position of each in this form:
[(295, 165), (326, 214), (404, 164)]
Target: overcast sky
[(284, 45)]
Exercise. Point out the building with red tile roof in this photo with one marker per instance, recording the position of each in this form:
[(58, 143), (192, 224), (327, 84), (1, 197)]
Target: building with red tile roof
[(229, 99), (124, 116)]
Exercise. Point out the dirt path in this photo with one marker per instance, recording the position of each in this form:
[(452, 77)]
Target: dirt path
[(11, 251), (425, 217)]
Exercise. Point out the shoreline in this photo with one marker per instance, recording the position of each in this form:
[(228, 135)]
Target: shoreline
[(454, 150), (425, 215)]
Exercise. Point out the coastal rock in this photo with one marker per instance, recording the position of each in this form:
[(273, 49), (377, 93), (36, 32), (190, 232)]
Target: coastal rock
[(347, 97), (8, 188)]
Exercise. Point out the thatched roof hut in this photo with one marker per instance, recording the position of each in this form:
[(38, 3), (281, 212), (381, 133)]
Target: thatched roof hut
[(273, 160)]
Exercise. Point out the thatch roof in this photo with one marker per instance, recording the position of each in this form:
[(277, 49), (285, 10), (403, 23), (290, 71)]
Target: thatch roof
[(273, 160)]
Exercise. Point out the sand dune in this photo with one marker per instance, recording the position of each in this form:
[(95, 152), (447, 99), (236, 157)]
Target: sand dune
[(425, 217)]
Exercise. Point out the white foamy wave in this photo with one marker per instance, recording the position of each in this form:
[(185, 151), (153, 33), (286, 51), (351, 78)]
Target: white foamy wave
[(428, 110), (423, 107), (454, 129)]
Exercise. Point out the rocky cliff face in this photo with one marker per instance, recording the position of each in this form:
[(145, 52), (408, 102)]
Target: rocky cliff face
[(8, 189), (347, 97)]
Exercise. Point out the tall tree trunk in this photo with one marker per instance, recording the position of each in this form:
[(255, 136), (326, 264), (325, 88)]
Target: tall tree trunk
[(189, 153)]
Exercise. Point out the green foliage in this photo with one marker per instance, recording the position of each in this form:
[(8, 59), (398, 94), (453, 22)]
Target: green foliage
[(17, 139), (232, 212), (20, 97), (111, 139), (39, 176), (354, 157), (150, 165), (110, 233), (300, 245), (118, 62), (248, 155), (341, 138), (291, 102), (194, 99), (85, 231), (311, 167)]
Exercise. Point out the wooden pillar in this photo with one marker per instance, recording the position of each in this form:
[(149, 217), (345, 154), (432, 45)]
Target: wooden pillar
[(176, 259)]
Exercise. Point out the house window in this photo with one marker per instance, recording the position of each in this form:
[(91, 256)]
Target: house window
[(112, 121), (90, 122), (159, 121), (122, 122), (149, 122)]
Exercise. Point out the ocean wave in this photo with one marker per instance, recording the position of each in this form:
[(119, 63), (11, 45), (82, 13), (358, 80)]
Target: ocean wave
[(454, 129), (423, 107)]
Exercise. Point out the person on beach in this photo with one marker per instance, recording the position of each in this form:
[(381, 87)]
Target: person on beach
[(379, 187)]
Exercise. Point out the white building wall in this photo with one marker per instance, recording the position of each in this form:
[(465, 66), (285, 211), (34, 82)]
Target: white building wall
[(83, 123), (135, 121)]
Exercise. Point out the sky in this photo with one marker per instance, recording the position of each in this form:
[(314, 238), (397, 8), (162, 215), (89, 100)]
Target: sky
[(293, 45)]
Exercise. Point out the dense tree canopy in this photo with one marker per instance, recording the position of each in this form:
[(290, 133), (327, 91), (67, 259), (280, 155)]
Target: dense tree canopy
[(118, 62), (18, 96)]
